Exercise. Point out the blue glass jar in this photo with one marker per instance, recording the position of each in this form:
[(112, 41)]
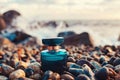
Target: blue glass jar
[(54, 60)]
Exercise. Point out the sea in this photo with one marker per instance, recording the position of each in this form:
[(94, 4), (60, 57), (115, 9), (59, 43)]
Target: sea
[(103, 32)]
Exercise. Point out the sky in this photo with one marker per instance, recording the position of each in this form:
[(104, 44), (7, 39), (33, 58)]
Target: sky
[(64, 9)]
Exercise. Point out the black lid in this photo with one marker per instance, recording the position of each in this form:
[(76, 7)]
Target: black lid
[(53, 41)]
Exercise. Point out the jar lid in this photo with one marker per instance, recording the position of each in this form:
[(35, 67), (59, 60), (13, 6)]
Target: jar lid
[(53, 41)]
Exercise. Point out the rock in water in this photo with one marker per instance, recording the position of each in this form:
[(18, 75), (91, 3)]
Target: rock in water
[(10, 15), (119, 38), (16, 36), (20, 36), (79, 39), (2, 23), (31, 41), (66, 34), (51, 23)]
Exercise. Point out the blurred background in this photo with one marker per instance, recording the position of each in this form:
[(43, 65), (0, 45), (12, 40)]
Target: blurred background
[(100, 19)]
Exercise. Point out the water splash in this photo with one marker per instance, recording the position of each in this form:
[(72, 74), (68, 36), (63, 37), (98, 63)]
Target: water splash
[(101, 35)]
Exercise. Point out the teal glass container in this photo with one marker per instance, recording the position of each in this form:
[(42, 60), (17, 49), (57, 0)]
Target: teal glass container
[(54, 61)]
